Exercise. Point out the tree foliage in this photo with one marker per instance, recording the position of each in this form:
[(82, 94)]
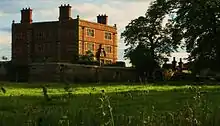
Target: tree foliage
[(147, 41), (88, 57), (199, 23)]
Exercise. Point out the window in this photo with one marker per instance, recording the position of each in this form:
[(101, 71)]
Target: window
[(108, 35), (19, 36), (90, 32), (90, 46), (18, 50), (47, 47), (108, 49), (40, 35), (80, 51), (39, 48), (48, 35)]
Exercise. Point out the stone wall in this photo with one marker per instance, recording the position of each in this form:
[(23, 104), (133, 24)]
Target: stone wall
[(56, 72), (3, 72)]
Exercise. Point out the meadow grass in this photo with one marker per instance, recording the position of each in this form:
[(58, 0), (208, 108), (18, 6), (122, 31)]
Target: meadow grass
[(108, 104)]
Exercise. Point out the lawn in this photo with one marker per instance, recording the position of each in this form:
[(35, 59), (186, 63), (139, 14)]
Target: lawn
[(120, 104)]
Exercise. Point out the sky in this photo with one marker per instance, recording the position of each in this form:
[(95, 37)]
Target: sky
[(120, 12)]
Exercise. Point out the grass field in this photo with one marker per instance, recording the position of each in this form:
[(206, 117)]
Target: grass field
[(120, 104)]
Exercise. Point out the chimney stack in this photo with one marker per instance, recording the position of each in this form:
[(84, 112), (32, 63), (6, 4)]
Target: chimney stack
[(174, 63), (65, 12), (26, 15), (102, 19)]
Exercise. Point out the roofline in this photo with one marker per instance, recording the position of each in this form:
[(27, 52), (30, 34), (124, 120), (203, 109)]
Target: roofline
[(40, 22), (72, 19), (99, 24)]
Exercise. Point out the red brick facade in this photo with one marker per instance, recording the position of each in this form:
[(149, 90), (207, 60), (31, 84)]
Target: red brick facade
[(63, 40)]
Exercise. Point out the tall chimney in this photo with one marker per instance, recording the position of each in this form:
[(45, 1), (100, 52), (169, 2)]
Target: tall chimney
[(65, 12), (26, 15), (102, 19)]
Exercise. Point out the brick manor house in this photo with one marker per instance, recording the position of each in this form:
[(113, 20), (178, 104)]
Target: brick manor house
[(62, 40)]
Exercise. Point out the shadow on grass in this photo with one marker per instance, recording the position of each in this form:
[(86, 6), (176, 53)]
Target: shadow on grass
[(61, 84), (77, 85)]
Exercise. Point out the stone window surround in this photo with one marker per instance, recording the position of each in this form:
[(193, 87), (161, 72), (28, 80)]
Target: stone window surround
[(87, 34)]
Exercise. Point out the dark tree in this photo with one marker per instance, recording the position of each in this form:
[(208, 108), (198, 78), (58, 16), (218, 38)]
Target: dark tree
[(199, 23), (148, 42)]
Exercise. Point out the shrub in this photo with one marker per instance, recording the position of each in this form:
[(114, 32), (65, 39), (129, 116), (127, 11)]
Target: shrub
[(168, 73)]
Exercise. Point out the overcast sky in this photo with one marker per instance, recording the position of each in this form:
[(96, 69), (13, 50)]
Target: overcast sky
[(120, 12)]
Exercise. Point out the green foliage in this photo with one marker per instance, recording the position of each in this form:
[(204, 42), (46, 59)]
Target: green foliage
[(148, 41), (140, 57), (89, 56), (198, 25), (88, 59), (106, 110)]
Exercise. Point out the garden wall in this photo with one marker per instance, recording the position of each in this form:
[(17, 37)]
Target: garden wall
[(3, 72), (13, 72), (56, 72)]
